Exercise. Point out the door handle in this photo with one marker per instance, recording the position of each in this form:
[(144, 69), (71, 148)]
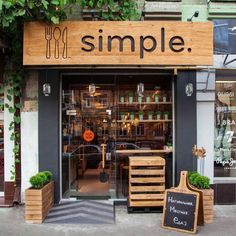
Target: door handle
[(103, 155)]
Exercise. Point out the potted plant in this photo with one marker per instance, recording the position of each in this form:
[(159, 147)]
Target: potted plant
[(131, 98), (141, 115), (131, 115), (164, 98), (203, 183), (156, 98), (158, 115), (140, 99), (39, 197), (122, 99), (122, 115), (150, 114), (166, 115)]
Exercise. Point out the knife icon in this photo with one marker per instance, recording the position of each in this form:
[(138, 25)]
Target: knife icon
[(64, 41)]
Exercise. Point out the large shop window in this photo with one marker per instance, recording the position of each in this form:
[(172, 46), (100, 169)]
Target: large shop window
[(225, 126), (129, 115), (1, 144)]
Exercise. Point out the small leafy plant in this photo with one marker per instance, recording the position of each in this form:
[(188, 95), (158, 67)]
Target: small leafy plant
[(39, 180), (199, 181)]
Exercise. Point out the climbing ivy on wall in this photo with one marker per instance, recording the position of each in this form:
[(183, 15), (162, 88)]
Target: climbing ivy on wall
[(113, 9), (13, 14)]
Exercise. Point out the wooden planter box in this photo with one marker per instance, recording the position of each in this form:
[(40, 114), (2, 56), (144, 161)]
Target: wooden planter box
[(208, 203), (38, 202)]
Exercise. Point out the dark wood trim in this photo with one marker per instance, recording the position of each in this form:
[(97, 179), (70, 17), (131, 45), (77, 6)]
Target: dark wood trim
[(9, 190)]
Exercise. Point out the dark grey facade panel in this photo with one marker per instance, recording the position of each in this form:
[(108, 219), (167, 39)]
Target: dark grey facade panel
[(48, 124), (185, 123)]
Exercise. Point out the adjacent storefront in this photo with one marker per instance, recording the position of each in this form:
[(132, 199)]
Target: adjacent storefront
[(106, 94)]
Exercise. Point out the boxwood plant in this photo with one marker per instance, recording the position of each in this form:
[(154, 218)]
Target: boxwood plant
[(199, 181), (39, 180)]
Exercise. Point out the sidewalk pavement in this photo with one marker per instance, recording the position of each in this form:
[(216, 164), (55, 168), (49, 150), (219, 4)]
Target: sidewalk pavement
[(12, 224)]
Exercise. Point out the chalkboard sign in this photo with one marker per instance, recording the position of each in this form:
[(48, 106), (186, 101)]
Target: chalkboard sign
[(180, 211)]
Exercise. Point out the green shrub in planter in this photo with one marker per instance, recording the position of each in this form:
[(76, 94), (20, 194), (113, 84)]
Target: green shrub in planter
[(48, 174), (202, 182), (192, 177), (37, 181)]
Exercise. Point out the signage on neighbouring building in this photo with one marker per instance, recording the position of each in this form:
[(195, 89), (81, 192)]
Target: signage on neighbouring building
[(225, 130), (118, 43)]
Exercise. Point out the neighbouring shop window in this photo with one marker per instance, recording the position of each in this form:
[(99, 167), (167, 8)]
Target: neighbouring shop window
[(224, 36), (225, 129), (1, 144)]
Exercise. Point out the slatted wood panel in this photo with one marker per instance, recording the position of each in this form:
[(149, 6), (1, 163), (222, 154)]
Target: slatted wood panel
[(146, 181), (38, 203), (154, 43), (208, 203)]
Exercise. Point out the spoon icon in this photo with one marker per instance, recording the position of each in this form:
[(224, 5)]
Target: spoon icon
[(56, 36)]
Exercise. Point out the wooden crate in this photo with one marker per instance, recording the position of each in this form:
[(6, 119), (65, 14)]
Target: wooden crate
[(146, 181), (38, 203), (208, 204)]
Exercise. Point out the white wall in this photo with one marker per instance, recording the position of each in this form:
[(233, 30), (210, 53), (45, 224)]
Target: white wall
[(205, 118), (29, 148), (8, 144)]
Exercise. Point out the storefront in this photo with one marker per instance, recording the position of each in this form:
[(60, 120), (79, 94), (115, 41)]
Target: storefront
[(224, 112), (99, 85)]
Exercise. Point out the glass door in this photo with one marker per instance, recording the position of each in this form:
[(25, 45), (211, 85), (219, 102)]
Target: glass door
[(105, 120), (89, 135), (1, 146)]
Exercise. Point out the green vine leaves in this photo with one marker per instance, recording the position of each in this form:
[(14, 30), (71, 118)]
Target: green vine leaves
[(13, 14), (121, 10)]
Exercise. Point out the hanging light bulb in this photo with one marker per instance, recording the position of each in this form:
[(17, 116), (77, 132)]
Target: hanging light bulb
[(46, 89), (140, 89), (92, 89)]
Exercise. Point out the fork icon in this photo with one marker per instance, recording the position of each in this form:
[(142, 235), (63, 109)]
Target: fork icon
[(48, 37)]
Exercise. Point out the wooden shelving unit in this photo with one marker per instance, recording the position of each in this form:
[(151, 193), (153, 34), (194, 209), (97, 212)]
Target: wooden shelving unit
[(144, 103), (146, 181), (144, 121)]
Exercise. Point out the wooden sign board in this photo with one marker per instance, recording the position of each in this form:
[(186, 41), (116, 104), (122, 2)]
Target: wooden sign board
[(181, 207), (118, 43)]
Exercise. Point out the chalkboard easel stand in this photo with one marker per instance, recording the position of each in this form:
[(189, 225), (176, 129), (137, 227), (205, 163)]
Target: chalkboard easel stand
[(174, 199)]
